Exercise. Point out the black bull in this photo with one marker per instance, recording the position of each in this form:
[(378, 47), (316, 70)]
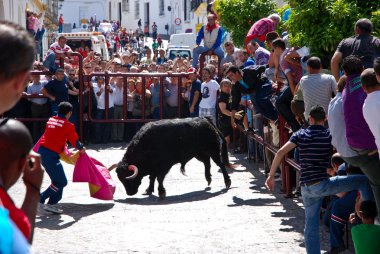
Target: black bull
[(157, 146)]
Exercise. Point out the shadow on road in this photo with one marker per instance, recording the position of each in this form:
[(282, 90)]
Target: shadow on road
[(183, 198), (293, 215), (75, 211)]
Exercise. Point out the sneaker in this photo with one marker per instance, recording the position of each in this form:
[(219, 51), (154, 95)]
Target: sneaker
[(53, 209), (41, 209)]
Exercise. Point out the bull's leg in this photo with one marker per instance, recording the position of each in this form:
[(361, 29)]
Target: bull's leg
[(150, 188), (216, 158), (161, 189), (206, 161)]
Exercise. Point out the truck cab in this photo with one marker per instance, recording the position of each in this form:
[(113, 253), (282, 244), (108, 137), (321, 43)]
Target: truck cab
[(94, 40)]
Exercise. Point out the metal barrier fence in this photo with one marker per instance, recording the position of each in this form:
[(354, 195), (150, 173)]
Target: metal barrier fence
[(286, 165)]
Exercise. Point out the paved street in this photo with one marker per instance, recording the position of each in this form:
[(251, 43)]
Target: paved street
[(192, 219)]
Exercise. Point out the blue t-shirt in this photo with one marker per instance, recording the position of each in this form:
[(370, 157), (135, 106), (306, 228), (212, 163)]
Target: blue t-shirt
[(58, 89), (195, 86), (315, 150)]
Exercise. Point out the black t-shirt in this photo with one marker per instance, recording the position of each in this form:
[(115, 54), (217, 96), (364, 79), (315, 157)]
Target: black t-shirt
[(58, 89), (367, 47), (225, 98), (74, 98), (236, 94)]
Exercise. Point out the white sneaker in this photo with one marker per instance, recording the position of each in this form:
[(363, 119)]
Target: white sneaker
[(53, 209), (41, 209)]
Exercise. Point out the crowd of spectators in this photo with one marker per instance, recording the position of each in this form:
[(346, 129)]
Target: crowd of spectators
[(260, 82)]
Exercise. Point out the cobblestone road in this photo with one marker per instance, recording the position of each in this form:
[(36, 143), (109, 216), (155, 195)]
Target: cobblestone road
[(192, 219)]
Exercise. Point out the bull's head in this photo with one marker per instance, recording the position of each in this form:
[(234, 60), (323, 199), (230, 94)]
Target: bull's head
[(129, 176)]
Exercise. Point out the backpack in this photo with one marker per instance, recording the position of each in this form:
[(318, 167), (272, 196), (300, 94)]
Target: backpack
[(253, 77)]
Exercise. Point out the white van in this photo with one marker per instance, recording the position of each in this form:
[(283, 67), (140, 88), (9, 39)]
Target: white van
[(182, 40), (95, 40)]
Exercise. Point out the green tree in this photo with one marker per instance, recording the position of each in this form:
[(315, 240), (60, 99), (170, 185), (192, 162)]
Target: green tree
[(322, 24), (237, 16)]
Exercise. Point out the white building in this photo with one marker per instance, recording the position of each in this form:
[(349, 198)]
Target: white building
[(176, 15), (74, 11)]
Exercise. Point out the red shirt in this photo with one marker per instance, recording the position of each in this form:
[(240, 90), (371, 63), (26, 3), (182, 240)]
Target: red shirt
[(16, 214), (58, 130)]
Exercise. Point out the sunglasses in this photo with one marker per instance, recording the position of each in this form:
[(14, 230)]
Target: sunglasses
[(87, 67)]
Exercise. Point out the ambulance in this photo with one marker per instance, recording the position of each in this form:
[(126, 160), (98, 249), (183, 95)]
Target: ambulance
[(95, 40)]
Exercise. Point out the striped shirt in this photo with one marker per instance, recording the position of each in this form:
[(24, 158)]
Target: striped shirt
[(315, 150), (57, 49), (317, 89)]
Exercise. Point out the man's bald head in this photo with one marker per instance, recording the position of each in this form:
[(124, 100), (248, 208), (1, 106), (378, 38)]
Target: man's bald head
[(15, 144)]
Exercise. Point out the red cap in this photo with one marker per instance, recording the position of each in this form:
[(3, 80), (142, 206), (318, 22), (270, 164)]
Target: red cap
[(192, 70)]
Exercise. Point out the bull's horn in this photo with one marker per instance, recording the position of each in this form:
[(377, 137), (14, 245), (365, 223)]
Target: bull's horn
[(112, 167), (135, 171)]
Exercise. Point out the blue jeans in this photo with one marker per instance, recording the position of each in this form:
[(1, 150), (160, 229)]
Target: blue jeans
[(370, 165), (49, 63), (200, 49), (103, 130), (283, 103), (313, 196), (54, 168), (340, 213)]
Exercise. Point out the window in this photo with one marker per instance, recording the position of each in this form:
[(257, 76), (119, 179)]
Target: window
[(161, 7), (125, 5), (137, 9), (186, 9)]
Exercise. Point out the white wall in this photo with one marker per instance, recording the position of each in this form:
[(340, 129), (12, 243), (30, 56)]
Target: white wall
[(130, 19), (71, 10), (13, 11)]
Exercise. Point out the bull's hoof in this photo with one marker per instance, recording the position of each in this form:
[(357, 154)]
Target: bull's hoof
[(162, 194), (228, 183), (209, 182)]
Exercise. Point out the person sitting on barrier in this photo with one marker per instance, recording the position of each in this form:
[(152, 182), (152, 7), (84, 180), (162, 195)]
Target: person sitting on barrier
[(314, 145), (57, 51), (58, 131), (293, 74), (366, 235), (211, 34)]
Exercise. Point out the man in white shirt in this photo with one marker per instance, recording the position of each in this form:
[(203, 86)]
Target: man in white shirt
[(209, 90), (371, 106), (103, 130)]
